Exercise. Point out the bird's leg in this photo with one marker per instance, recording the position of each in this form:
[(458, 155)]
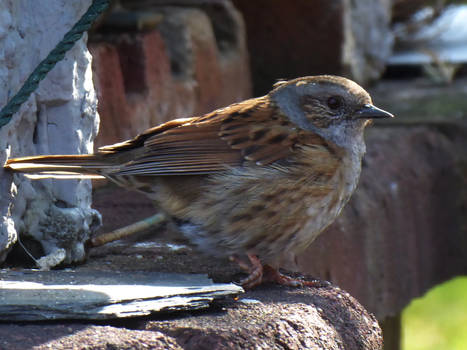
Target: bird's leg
[(255, 271), (152, 221), (242, 264)]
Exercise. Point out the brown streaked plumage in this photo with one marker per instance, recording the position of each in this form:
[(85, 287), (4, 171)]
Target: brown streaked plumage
[(259, 178)]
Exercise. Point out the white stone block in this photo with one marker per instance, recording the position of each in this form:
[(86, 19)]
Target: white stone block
[(59, 118)]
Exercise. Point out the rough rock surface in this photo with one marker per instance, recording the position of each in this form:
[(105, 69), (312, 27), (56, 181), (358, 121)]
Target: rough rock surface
[(60, 117), (278, 319)]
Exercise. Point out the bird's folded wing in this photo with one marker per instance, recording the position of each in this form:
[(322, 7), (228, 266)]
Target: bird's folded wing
[(253, 131)]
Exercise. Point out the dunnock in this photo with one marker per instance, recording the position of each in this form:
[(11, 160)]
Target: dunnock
[(257, 179)]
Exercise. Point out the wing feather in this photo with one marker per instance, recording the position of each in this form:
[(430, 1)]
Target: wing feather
[(253, 130)]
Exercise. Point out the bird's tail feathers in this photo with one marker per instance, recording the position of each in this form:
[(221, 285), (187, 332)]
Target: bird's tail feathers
[(60, 166)]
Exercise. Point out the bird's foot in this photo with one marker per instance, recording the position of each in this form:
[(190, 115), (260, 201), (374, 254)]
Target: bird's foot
[(259, 273), (270, 274)]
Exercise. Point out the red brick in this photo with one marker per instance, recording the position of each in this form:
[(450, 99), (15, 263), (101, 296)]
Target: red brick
[(138, 88)]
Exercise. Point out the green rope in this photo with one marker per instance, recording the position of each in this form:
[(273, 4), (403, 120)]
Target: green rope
[(56, 55)]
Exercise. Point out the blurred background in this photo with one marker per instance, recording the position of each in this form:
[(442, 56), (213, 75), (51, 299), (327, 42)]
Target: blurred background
[(400, 246)]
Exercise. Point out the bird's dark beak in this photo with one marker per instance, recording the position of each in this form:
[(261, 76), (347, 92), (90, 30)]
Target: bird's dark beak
[(371, 112)]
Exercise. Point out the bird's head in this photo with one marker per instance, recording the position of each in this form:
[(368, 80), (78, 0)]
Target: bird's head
[(336, 108)]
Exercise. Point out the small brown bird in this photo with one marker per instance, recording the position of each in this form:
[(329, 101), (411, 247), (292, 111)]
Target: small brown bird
[(257, 179)]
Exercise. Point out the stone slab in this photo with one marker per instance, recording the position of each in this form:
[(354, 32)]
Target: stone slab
[(50, 295)]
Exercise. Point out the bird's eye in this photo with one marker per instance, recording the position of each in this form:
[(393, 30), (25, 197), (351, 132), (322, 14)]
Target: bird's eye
[(334, 102)]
